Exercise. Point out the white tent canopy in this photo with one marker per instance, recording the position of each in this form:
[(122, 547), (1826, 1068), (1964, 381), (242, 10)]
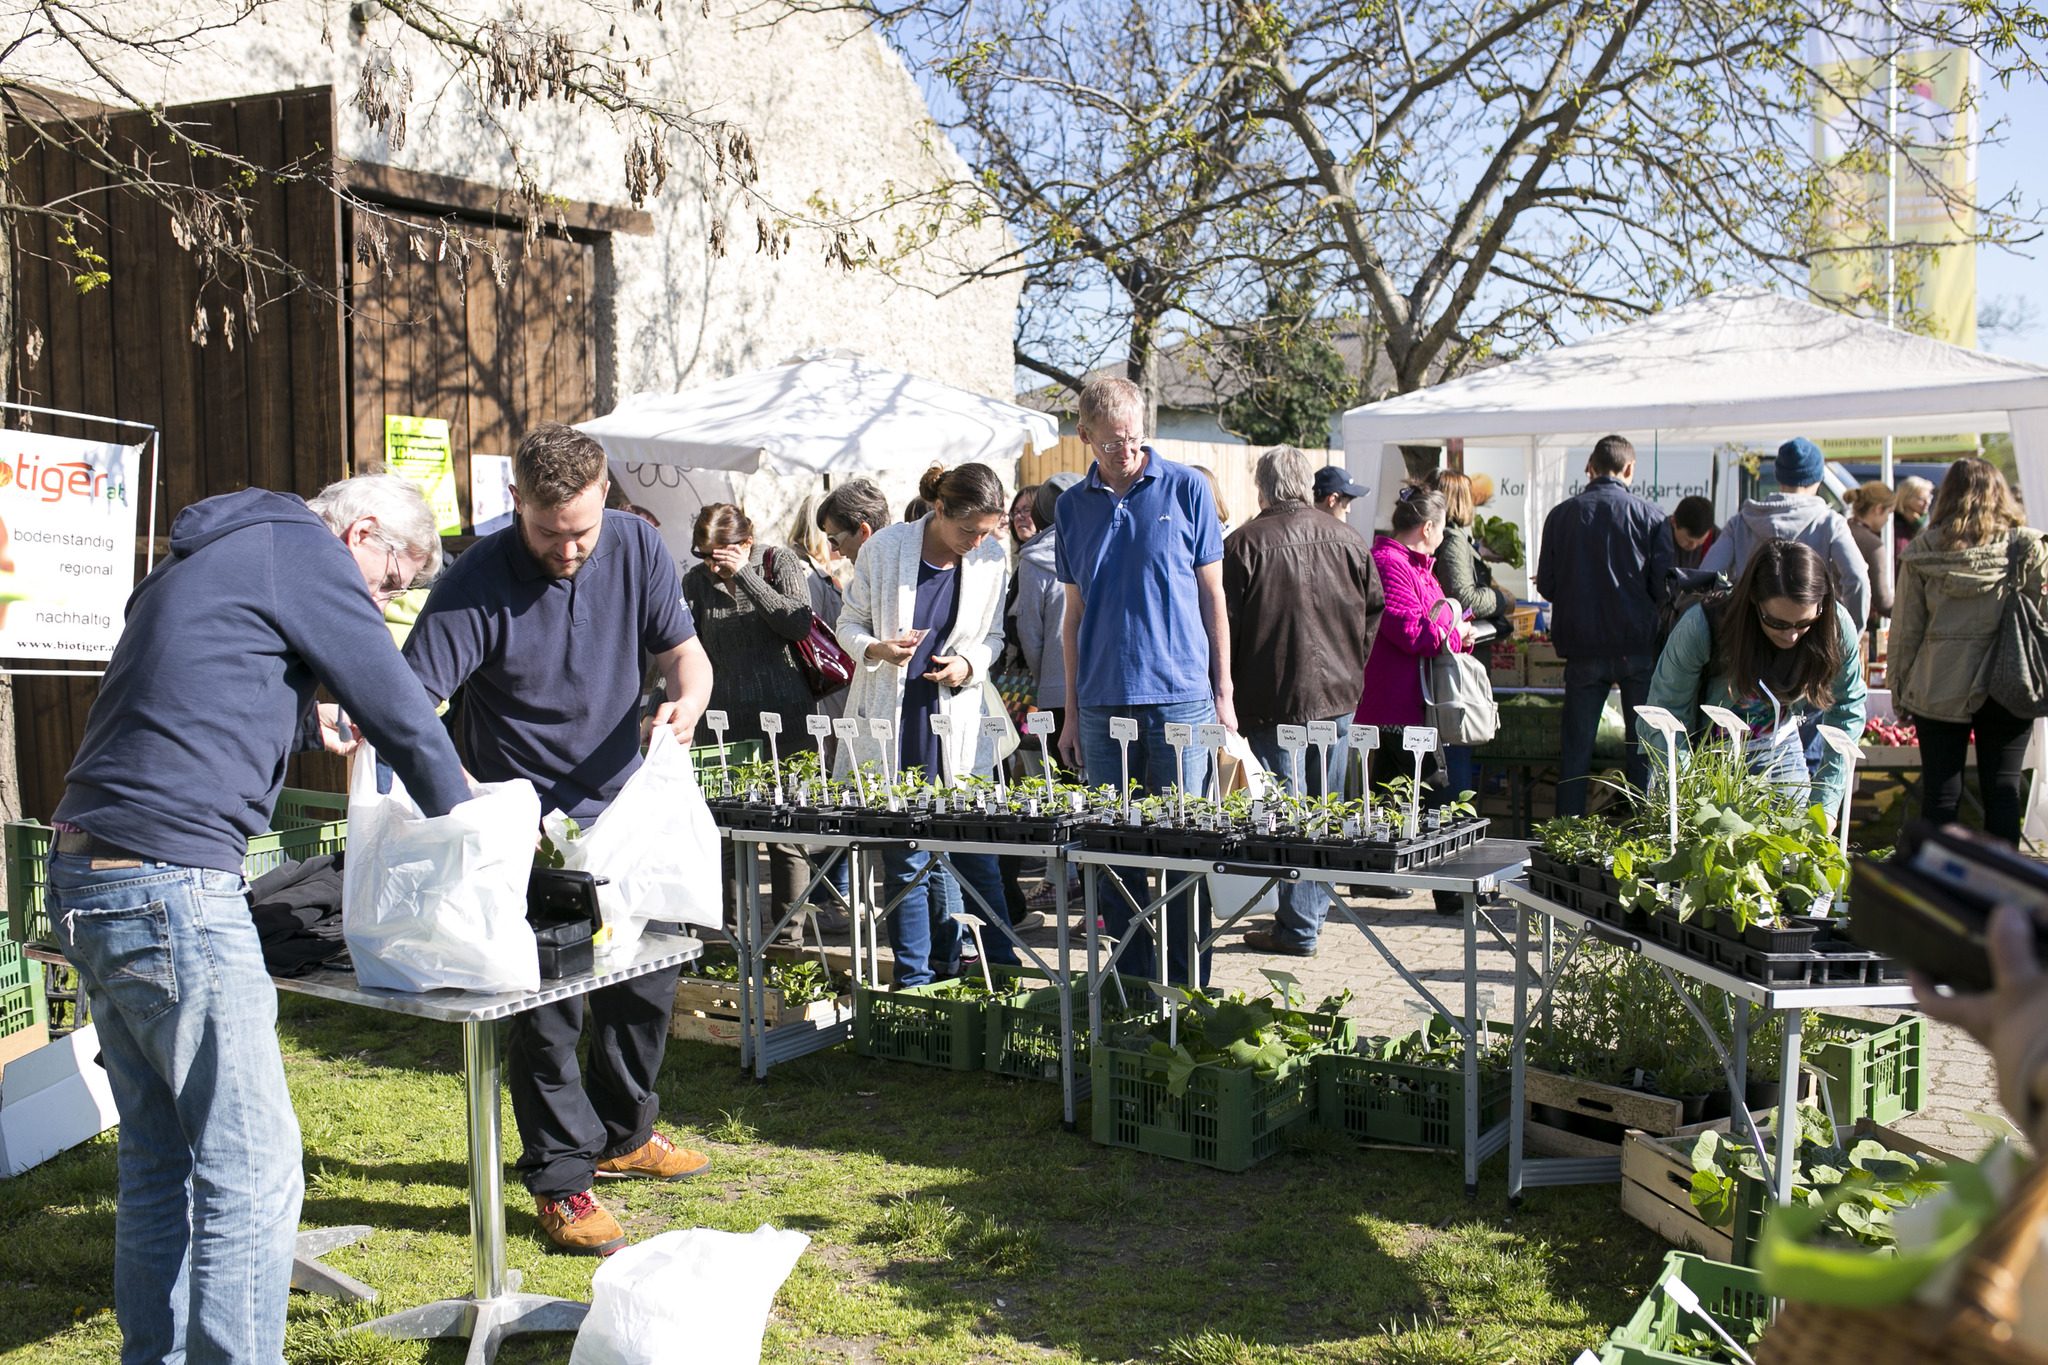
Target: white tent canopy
[(1747, 365), (829, 412)]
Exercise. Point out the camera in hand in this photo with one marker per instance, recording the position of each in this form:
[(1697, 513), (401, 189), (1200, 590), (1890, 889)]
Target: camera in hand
[(1930, 906)]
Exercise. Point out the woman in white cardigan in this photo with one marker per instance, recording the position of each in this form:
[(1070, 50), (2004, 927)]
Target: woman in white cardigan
[(923, 618)]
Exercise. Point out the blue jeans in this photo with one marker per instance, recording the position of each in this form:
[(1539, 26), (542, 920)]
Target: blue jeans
[(1152, 768), (209, 1158), (922, 931), (1461, 770), (1303, 905), (984, 874), (1586, 683)]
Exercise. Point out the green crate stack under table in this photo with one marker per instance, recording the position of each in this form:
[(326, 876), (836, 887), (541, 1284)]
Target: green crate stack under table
[(1881, 1075), (1023, 1029), (1407, 1104)]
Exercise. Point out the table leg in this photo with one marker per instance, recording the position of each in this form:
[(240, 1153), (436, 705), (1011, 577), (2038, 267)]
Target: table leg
[(1088, 912), (312, 1275), (1470, 902), (497, 1310), (1518, 1054), (1788, 1106), (1056, 866)]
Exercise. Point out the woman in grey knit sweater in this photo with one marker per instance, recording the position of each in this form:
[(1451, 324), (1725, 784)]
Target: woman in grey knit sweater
[(750, 605)]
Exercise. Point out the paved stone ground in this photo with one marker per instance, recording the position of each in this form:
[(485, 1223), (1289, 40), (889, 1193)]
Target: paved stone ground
[(1432, 946)]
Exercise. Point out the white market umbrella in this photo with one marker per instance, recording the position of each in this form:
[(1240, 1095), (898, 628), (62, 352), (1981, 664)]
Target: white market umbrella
[(828, 412)]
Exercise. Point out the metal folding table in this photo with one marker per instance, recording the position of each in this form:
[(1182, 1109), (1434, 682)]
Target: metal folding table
[(1480, 870), (1789, 1003), (497, 1309)]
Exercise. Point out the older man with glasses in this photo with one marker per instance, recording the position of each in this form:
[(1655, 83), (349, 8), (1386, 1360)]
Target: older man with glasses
[(263, 598), (1145, 635)]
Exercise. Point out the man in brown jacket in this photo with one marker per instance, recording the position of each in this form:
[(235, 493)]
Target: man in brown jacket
[(1304, 602)]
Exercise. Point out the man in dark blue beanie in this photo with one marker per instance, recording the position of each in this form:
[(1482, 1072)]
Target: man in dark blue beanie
[(1796, 512)]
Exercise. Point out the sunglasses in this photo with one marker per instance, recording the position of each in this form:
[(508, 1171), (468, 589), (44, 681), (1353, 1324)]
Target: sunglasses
[(1771, 622)]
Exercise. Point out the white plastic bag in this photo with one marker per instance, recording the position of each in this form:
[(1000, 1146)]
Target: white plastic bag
[(695, 1297), (439, 903), (655, 844)]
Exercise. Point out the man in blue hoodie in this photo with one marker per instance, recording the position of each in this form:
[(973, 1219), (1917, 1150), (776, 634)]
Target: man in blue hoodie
[(546, 628), (263, 598)]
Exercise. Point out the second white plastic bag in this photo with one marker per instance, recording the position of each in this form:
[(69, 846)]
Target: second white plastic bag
[(439, 902), (655, 845), (693, 1297)]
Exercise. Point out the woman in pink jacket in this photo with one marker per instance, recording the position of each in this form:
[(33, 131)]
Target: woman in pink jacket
[(1419, 621)]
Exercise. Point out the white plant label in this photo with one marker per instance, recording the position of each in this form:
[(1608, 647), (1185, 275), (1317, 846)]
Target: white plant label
[(1038, 723), (1294, 738), (819, 726), (882, 729), (846, 727), (1211, 736), (717, 722), (1419, 739), (993, 727), (1321, 732), (1126, 728), (771, 723), (1179, 735), (942, 726), (1364, 738)]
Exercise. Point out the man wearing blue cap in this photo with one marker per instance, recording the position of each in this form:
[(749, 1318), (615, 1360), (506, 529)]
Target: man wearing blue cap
[(1796, 512), (1335, 489)]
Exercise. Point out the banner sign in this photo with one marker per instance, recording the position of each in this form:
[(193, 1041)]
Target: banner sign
[(67, 544), (417, 449)]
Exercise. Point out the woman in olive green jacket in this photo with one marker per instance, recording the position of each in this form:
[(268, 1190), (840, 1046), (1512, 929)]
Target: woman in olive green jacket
[(1953, 582)]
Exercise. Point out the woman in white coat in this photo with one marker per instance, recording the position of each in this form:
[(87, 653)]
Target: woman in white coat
[(923, 618)]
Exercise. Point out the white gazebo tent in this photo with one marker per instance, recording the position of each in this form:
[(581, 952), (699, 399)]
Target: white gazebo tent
[(767, 438), (1746, 365)]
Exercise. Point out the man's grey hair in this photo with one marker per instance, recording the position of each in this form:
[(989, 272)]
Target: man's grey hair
[(1111, 400), (404, 520), (1914, 487), (1285, 474)]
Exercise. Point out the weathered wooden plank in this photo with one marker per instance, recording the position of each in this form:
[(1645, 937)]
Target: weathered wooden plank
[(312, 223)]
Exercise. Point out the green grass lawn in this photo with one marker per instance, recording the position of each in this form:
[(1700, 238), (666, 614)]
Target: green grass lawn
[(951, 1218)]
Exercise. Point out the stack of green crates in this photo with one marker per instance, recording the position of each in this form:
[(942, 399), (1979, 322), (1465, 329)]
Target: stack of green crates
[(22, 1004), (1405, 1104), (305, 823)]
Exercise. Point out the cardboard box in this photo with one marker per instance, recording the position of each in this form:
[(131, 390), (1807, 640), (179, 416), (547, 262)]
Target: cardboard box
[(1507, 665), (1546, 672), (53, 1099)]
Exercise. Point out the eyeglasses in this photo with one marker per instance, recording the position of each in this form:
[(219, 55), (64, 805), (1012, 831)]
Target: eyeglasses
[(1771, 622), (395, 580), (1114, 448)]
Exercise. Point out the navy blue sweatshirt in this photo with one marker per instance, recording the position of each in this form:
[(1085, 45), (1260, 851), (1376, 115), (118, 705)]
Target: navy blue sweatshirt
[(211, 688)]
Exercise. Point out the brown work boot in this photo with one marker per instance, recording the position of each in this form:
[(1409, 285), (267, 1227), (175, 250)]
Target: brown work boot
[(658, 1159), (579, 1225)]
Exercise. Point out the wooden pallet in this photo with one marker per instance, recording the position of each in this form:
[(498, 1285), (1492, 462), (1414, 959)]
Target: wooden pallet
[(1633, 1109), (709, 1011)]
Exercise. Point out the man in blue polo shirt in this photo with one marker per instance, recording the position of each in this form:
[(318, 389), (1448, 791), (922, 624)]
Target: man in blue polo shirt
[(1140, 552), (545, 627)]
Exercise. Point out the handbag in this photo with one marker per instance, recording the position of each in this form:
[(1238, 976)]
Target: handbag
[(2018, 667), (826, 667), (1457, 695)]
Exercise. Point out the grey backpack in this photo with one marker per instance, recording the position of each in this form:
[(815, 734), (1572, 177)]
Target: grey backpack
[(1457, 694)]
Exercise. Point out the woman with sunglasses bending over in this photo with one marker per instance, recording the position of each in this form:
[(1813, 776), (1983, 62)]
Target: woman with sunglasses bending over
[(1775, 651)]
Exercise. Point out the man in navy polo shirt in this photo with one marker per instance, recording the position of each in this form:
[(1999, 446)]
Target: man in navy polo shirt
[(546, 627), (1140, 552)]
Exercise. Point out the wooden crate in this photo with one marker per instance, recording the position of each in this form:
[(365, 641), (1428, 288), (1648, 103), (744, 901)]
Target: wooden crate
[(709, 1011), (1656, 1191), (1652, 1114)]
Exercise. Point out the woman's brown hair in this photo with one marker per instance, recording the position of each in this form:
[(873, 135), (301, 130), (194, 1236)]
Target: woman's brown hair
[(1457, 491), (721, 523), (1780, 568), (967, 490), (1973, 506)]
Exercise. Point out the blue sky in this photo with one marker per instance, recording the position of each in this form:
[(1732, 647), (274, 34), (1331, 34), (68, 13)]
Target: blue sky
[(2021, 163)]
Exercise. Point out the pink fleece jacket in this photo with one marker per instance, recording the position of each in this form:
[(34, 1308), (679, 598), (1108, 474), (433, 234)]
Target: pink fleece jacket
[(1408, 632)]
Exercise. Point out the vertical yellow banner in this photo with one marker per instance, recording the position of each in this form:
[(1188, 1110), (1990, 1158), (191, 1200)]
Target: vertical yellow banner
[(1937, 280), (417, 449)]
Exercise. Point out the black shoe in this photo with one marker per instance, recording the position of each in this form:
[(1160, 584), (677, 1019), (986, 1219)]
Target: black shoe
[(1269, 941), (1449, 902)]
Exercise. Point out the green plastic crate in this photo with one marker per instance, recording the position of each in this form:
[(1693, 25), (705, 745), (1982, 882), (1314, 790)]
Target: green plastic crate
[(22, 1007), (304, 823), (912, 1024), (15, 968), (1228, 1117), (1024, 1029), (1880, 1076), (1732, 1294), (1402, 1103)]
